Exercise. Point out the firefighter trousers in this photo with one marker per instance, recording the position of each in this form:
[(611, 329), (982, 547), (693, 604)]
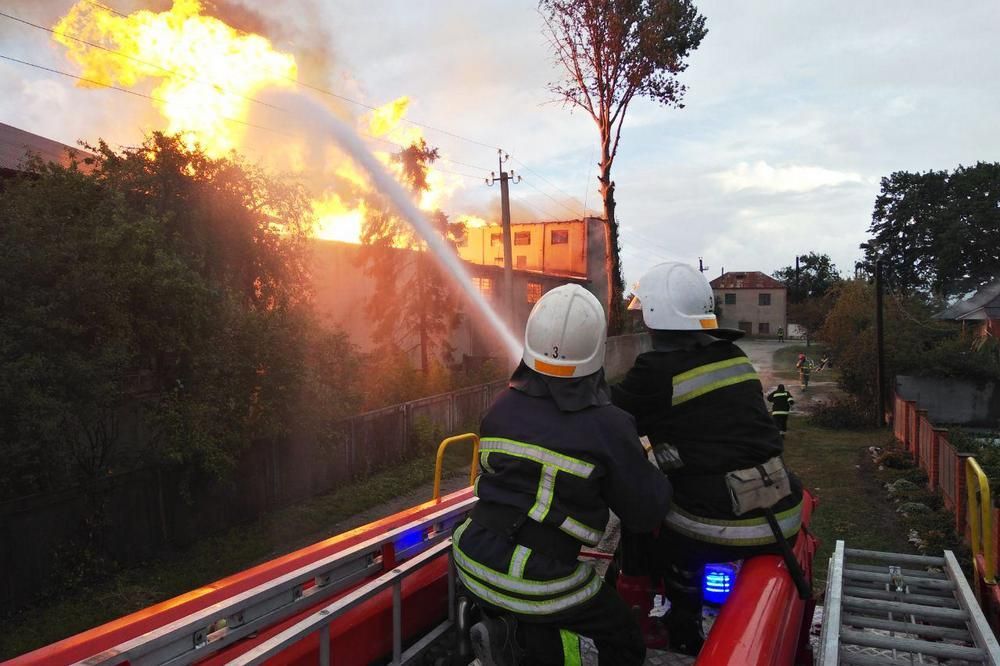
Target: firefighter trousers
[(553, 640)]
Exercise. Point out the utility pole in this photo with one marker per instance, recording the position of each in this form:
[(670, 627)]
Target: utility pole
[(508, 265), (797, 280), (879, 346)]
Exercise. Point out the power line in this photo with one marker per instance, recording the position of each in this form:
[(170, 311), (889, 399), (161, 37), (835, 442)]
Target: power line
[(543, 178), (211, 84), (345, 98), (546, 194), (136, 93)]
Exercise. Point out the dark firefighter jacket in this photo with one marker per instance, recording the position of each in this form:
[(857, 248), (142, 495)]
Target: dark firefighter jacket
[(781, 402), (560, 471), (701, 395)]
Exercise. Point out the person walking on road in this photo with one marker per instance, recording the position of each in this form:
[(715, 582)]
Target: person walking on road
[(805, 366), (781, 334), (781, 403)]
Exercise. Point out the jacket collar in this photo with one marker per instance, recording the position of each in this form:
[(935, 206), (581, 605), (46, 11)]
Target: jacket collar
[(571, 394)]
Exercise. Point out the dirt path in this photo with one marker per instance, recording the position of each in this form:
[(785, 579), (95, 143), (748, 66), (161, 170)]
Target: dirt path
[(762, 355)]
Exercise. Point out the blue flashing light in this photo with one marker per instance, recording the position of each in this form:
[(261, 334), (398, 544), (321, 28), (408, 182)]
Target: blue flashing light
[(717, 582), (408, 540)]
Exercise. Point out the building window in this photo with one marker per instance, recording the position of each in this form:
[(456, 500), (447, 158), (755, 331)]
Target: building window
[(484, 285), (534, 291), (763, 299), (496, 240), (560, 236), (520, 261), (763, 328), (522, 238), (730, 299)]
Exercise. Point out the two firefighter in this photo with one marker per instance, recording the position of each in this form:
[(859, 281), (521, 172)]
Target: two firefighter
[(560, 447)]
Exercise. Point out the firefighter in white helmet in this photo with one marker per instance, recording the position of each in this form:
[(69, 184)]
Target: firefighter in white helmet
[(698, 399), (555, 456)]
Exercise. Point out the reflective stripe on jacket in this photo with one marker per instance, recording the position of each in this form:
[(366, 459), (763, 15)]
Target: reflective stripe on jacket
[(781, 402), (737, 532), (564, 471)]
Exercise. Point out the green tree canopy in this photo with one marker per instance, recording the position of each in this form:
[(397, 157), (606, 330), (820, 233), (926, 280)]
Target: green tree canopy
[(816, 275), (938, 232), (155, 308)]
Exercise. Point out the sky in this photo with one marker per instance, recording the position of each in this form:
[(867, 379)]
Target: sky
[(794, 111)]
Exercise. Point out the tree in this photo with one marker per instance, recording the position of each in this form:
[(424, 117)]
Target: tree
[(612, 52), (816, 275), (938, 232), (163, 290), (414, 300)]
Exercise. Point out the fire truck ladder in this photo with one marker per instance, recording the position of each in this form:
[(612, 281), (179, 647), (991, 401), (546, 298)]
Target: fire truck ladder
[(878, 612)]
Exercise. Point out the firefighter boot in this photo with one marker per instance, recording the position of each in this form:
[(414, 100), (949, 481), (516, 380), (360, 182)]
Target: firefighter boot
[(637, 592), (494, 641), (683, 621)]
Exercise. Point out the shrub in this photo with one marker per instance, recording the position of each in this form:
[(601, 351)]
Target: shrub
[(848, 412)]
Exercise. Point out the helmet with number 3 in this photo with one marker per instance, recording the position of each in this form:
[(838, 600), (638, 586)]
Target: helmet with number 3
[(566, 333)]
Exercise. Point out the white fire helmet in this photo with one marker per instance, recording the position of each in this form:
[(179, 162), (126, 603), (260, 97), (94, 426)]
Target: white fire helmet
[(675, 297), (566, 333)]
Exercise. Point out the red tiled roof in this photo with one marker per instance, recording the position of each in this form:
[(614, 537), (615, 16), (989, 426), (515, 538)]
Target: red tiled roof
[(746, 280), (16, 144)]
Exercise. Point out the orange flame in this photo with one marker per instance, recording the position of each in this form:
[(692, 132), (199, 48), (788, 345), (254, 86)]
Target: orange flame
[(205, 69), (205, 73)]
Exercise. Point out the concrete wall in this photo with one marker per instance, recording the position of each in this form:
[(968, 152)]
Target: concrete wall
[(622, 350), (747, 309), (953, 401)]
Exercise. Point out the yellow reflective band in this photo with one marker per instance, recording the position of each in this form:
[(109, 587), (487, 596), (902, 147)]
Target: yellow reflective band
[(707, 378), (708, 323), (584, 533), (470, 567), (749, 532), (539, 454), (544, 494), (484, 461), (527, 606), (518, 561), (571, 648)]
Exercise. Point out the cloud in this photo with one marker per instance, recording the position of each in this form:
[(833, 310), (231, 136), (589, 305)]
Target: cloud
[(794, 178)]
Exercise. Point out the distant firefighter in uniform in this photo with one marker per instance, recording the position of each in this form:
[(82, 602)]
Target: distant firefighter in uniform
[(698, 399), (556, 455), (781, 403)]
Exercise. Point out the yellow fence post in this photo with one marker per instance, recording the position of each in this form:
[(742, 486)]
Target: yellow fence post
[(439, 463), (980, 513)]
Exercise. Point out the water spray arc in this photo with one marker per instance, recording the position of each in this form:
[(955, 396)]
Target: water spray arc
[(325, 124)]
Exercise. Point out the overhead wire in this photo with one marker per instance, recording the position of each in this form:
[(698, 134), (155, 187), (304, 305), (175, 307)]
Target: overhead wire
[(297, 81)]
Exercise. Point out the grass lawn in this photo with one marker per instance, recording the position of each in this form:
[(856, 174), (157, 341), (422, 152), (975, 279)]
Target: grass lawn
[(274, 534), (836, 467)]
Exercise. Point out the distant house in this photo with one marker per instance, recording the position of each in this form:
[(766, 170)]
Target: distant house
[(17, 146), (752, 302), (981, 312)]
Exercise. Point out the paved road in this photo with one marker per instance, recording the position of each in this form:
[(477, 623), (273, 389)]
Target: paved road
[(761, 353)]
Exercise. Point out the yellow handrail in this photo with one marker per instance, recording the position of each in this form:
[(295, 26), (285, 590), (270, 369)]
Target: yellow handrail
[(439, 463), (980, 512)]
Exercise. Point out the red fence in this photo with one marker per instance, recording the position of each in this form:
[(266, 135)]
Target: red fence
[(931, 450)]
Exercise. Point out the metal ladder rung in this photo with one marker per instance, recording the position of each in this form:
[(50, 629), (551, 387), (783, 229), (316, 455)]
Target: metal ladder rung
[(918, 610), (913, 645), (907, 573), (885, 595), (933, 594), (894, 558), (871, 576), (925, 630), (855, 659)]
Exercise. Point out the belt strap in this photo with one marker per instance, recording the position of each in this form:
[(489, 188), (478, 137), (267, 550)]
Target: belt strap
[(515, 526)]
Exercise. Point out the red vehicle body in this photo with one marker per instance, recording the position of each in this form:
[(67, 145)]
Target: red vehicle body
[(762, 623)]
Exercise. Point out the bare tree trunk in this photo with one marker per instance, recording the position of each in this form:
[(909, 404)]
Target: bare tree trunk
[(612, 262)]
